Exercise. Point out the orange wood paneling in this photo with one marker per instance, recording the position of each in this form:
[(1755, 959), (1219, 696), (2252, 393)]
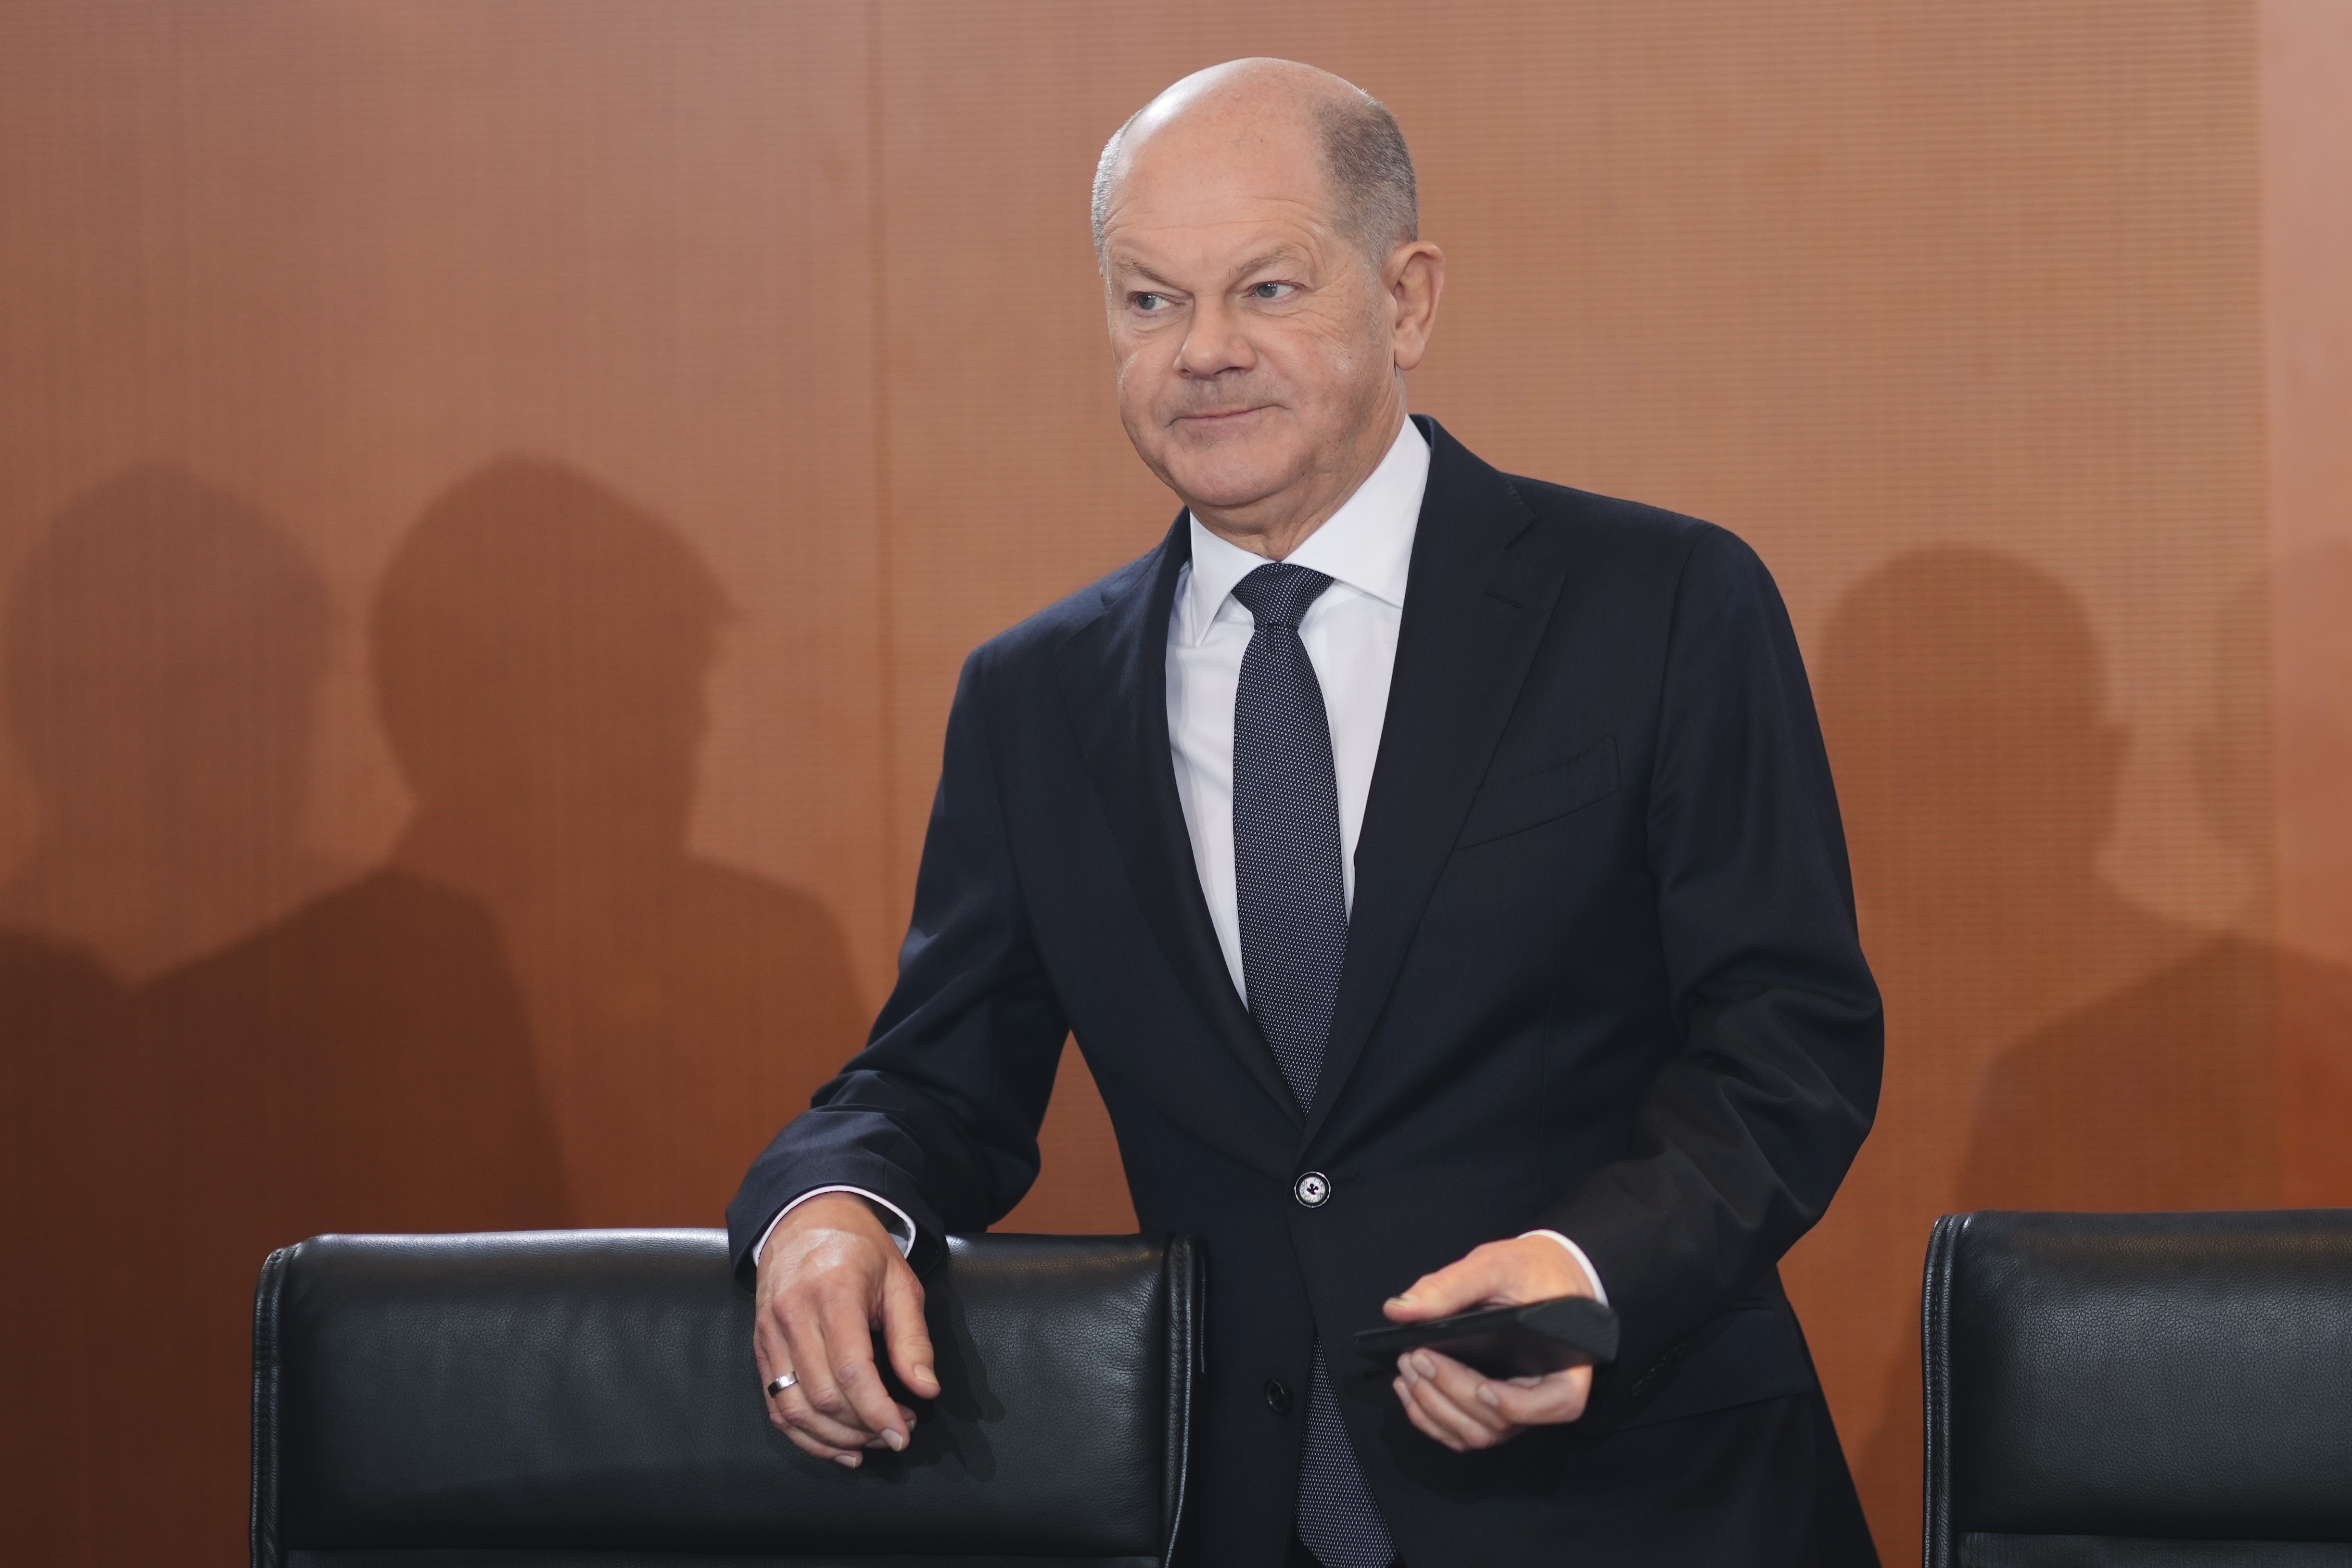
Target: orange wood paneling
[(493, 500)]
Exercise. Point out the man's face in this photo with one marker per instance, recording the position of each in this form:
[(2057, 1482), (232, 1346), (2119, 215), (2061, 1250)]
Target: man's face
[(1252, 337)]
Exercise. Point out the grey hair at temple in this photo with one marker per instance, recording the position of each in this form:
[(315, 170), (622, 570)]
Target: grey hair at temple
[(1364, 155)]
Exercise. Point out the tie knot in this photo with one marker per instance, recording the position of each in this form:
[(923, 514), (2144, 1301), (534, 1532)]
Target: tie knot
[(1278, 593)]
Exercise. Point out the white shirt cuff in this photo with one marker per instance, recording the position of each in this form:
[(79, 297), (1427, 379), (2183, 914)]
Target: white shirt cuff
[(1600, 1292), (902, 1229)]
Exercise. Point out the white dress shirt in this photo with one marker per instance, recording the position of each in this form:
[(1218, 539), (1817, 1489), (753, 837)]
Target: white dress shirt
[(1351, 637)]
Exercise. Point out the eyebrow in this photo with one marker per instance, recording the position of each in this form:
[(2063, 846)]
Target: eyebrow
[(1127, 264), (1260, 263)]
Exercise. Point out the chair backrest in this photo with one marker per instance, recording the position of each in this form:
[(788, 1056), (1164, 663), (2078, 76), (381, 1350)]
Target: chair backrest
[(590, 1397), (2116, 1389)]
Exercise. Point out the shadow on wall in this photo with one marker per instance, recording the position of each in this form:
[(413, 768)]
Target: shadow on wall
[(543, 1011), (541, 648), (2125, 1061), (165, 647), (202, 1070)]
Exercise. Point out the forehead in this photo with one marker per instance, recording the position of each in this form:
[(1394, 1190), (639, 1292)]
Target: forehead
[(1216, 189)]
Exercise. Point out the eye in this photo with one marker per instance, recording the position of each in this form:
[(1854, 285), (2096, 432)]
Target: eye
[(1150, 304), (1272, 290)]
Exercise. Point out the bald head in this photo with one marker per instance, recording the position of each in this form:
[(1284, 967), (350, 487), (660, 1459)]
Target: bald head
[(1266, 293), (1366, 167)]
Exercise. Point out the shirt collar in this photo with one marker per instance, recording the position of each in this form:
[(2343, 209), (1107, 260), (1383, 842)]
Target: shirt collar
[(1367, 543)]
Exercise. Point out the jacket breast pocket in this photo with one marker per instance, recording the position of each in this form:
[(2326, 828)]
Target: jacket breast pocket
[(1504, 806)]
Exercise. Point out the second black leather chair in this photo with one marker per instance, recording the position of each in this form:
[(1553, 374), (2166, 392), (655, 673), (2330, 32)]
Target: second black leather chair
[(2118, 1390)]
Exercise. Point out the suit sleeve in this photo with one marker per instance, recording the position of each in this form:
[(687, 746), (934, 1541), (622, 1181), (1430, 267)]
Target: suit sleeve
[(1742, 1138), (940, 1114)]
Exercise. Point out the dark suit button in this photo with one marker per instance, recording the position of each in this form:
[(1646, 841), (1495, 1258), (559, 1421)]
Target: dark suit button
[(1313, 1189), (1278, 1396)]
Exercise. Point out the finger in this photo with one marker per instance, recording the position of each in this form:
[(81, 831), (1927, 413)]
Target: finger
[(1483, 1276), (838, 1437), (1465, 1389), (1546, 1402), (803, 1353), (802, 1418), (909, 1339), (768, 1350), (807, 1443), (1465, 1425), (817, 1405), (849, 1335), (1428, 1426), (1466, 1431), (1455, 1393), (787, 1411)]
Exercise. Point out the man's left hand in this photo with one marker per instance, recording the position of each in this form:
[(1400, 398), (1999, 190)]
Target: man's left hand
[(1467, 1410)]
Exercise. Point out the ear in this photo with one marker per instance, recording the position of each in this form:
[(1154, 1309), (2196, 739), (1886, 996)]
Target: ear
[(1412, 278)]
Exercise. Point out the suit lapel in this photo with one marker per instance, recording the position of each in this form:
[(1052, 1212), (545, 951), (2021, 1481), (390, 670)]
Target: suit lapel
[(1114, 680), (1478, 596)]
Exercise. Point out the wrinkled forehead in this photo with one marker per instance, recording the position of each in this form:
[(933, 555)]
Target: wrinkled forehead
[(1222, 190)]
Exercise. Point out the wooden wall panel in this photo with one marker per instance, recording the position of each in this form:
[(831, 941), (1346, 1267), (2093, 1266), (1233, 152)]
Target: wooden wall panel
[(2307, 253), (493, 500), (612, 895)]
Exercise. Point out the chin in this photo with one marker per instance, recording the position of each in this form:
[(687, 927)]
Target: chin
[(1229, 479)]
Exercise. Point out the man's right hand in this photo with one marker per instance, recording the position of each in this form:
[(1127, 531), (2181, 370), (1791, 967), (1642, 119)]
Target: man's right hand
[(828, 1274)]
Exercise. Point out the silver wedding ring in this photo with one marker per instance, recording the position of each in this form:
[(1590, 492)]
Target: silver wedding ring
[(781, 1384)]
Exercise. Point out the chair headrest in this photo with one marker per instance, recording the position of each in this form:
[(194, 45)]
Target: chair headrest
[(2184, 1376), (595, 1391)]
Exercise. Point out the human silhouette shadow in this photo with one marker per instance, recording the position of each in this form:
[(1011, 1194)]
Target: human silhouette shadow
[(204, 1066), (362, 1065), (1963, 694), (164, 644), (540, 651), (2195, 1087), (73, 1100), (2175, 1081)]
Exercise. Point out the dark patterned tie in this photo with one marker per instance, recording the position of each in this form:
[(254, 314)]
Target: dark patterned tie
[(1292, 908)]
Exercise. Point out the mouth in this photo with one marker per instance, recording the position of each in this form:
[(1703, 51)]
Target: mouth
[(1214, 417)]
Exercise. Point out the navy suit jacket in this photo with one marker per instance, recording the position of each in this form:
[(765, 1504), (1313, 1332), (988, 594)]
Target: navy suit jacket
[(1601, 976)]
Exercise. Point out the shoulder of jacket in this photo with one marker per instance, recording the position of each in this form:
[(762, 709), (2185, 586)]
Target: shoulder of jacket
[(1630, 523), (1638, 537), (1039, 635)]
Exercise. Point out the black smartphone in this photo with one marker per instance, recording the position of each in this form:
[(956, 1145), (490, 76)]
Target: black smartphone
[(1507, 1341)]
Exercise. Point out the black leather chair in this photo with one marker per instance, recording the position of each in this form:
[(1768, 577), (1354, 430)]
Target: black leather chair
[(589, 1397), (2110, 1390)]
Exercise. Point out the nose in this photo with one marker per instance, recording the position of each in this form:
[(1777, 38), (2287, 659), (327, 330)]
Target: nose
[(1214, 342)]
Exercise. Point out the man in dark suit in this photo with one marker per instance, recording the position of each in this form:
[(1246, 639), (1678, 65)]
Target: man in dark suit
[(1441, 874)]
